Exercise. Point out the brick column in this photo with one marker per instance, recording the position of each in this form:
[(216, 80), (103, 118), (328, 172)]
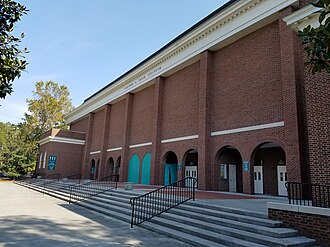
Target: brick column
[(205, 178), (290, 74), (104, 143), (156, 169), (127, 130), (88, 141)]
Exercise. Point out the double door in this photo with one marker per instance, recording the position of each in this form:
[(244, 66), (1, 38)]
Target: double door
[(191, 171)]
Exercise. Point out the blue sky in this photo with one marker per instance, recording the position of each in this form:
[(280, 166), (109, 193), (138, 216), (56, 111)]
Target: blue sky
[(86, 44)]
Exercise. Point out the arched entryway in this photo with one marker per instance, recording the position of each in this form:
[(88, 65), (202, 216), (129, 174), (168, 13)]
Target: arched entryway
[(97, 169), (110, 166), (92, 170), (117, 168), (229, 169), (145, 179), (269, 169), (170, 162), (134, 169), (190, 161)]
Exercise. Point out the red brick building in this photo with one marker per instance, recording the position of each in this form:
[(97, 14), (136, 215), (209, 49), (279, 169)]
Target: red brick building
[(228, 101)]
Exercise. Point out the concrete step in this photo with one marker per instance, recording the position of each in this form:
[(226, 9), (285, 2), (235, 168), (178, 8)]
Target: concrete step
[(202, 233), (227, 209), (267, 231), (233, 232), (184, 237), (185, 209), (118, 214)]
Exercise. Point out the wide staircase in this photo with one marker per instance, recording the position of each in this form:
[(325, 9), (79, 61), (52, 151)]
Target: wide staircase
[(193, 222)]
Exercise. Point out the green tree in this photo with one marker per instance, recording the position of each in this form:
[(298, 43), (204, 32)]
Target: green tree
[(15, 153), (12, 61), (19, 143), (47, 109), (316, 41)]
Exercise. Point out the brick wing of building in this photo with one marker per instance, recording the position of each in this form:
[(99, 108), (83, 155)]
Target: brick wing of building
[(228, 101)]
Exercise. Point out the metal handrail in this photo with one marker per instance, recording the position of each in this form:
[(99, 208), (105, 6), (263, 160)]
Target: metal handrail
[(307, 194), (154, 203), (80, 192), (55, 175), (77, 176)]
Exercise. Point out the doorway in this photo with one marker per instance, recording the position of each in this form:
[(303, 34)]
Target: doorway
[(191, 166), (258, 180), (170, 168), (281, 180)]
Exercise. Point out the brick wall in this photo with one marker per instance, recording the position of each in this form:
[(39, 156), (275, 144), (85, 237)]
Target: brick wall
[(116, 126), (309, 225), (69, 158), (96, 140), (318, 125), (142, 116), (246, 89), (80, 125), (180, 103)]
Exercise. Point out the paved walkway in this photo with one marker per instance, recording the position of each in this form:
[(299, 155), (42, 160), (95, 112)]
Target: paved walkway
[(30, 219)]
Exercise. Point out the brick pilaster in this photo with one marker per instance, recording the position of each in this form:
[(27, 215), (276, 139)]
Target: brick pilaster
[(126, 137), (89, 133), (156, 168), (204, 123), (104, 143), (289, 61)]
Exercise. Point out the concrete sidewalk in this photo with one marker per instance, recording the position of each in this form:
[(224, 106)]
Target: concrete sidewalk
[(28, 218)]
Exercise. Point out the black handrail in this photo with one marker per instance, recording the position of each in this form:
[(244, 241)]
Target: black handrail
[(74, 176), (53, 176), (149, 205), (92, 188), (306, 194)]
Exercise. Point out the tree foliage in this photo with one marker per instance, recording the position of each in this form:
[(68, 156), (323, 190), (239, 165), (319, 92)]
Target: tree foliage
[(12, 60), (16, 157), (47, 109), (19, 143), (316, 41)]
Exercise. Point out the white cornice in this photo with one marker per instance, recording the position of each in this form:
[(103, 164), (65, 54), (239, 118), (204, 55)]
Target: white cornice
[(248, 128), (303, 17), (61, 140), (114, 149), (181, 138), (221, 28), (141, 145)]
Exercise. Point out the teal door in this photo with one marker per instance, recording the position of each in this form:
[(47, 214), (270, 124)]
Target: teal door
[(170, 173), (146, 169), (134, 169)]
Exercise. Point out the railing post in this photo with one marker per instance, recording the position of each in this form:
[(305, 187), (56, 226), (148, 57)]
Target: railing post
[(70, 194), (194, 187), (133, 212)]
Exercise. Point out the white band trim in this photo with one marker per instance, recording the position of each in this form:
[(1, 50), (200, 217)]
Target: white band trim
[(249, 128), (177, 139), (95, 152), (114, 149), (61, 140), (140, 145)]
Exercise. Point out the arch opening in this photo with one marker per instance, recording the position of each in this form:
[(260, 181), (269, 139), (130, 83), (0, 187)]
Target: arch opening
[(170, 167), (229, 175), (92, 170), (269, 169), (190, 162)]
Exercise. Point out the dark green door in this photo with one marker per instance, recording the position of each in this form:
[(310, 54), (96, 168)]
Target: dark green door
[(134, 169)]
